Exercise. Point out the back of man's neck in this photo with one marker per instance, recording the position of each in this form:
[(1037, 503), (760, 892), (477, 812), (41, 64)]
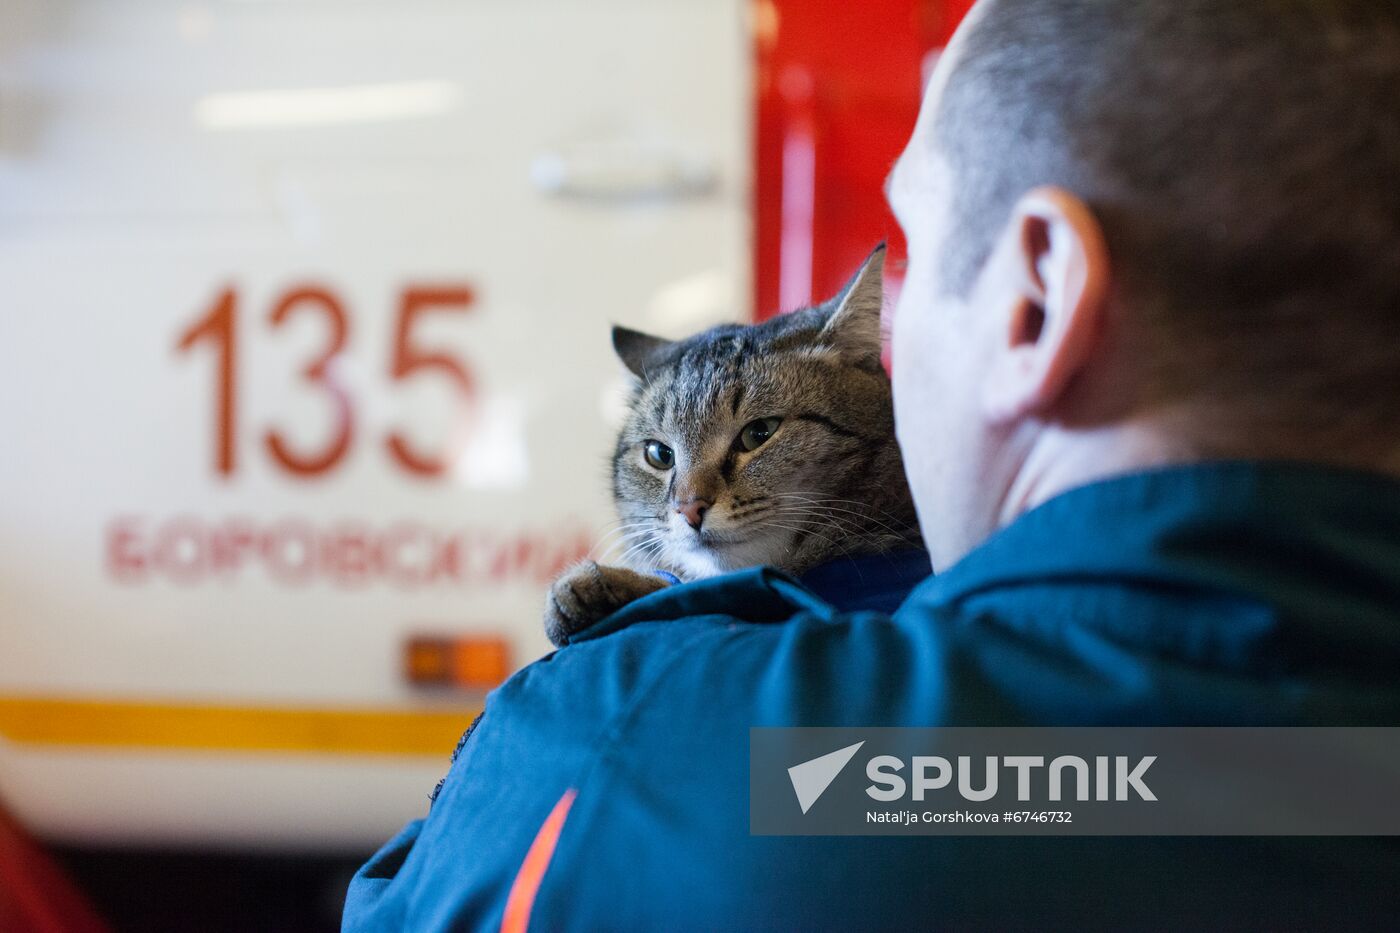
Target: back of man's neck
[(1060, 459)]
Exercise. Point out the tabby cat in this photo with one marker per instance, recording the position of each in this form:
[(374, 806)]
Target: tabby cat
[(765, 444)]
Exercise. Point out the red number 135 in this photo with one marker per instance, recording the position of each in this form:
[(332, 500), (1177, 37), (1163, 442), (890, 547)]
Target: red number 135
[(218, 327)]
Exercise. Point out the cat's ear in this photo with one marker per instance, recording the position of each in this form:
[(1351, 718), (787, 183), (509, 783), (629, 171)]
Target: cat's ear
[(636, 349), (854, 325)]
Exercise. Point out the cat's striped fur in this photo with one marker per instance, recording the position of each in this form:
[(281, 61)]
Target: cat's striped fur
[(826, 482)]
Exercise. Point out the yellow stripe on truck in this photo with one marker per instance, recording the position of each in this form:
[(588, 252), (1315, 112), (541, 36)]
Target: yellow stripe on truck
[(106, 723)]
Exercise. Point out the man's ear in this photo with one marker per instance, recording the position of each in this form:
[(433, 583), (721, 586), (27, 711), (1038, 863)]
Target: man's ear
[(854, 325), (636, 349), (1053, 256)]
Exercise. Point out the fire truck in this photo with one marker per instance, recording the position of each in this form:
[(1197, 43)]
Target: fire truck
[(307, 388)]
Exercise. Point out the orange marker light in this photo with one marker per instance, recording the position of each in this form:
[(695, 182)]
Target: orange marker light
[(469, 662)]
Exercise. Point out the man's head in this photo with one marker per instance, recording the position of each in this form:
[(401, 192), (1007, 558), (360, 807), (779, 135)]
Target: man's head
[(1142, 231)]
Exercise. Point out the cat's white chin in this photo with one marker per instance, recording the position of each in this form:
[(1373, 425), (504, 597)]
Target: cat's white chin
[(697, 561)]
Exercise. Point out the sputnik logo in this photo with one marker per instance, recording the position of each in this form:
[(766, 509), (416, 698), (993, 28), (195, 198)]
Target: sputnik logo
[(811, 778)]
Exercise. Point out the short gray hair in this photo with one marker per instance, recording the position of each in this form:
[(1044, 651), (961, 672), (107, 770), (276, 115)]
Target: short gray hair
[(1243, 157)]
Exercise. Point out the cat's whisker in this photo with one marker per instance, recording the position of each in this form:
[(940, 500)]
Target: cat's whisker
[(609, 538), (843, 549), (833, 516), (799, 529), (645, 550), (623, 524), (847, 526), (834, 519), (855, 536), (827, 507), (847, 521), (865, 508), (615, 527), (611, 542), (635, 548)]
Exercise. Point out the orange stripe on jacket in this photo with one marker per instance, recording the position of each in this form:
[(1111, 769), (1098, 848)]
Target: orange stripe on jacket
[(527, 881)]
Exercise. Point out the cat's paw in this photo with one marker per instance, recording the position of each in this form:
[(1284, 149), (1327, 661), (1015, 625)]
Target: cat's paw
[(588, 592)]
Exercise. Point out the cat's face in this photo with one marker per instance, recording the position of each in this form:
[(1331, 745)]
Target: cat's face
[(770, 444)]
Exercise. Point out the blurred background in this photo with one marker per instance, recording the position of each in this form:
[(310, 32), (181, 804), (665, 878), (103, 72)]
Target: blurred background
[(306, 390)]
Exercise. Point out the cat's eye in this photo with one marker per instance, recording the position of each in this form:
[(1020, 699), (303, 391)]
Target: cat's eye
[(659, 455), (756, 433)]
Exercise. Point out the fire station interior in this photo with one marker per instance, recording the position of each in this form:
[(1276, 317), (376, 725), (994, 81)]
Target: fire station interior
[(321, 326), (305, 305)]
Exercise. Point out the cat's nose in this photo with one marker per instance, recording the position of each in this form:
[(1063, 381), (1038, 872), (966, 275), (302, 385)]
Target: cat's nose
[(694, 511)]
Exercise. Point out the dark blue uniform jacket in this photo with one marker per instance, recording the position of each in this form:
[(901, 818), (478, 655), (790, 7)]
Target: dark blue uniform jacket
[(1224, 594)]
